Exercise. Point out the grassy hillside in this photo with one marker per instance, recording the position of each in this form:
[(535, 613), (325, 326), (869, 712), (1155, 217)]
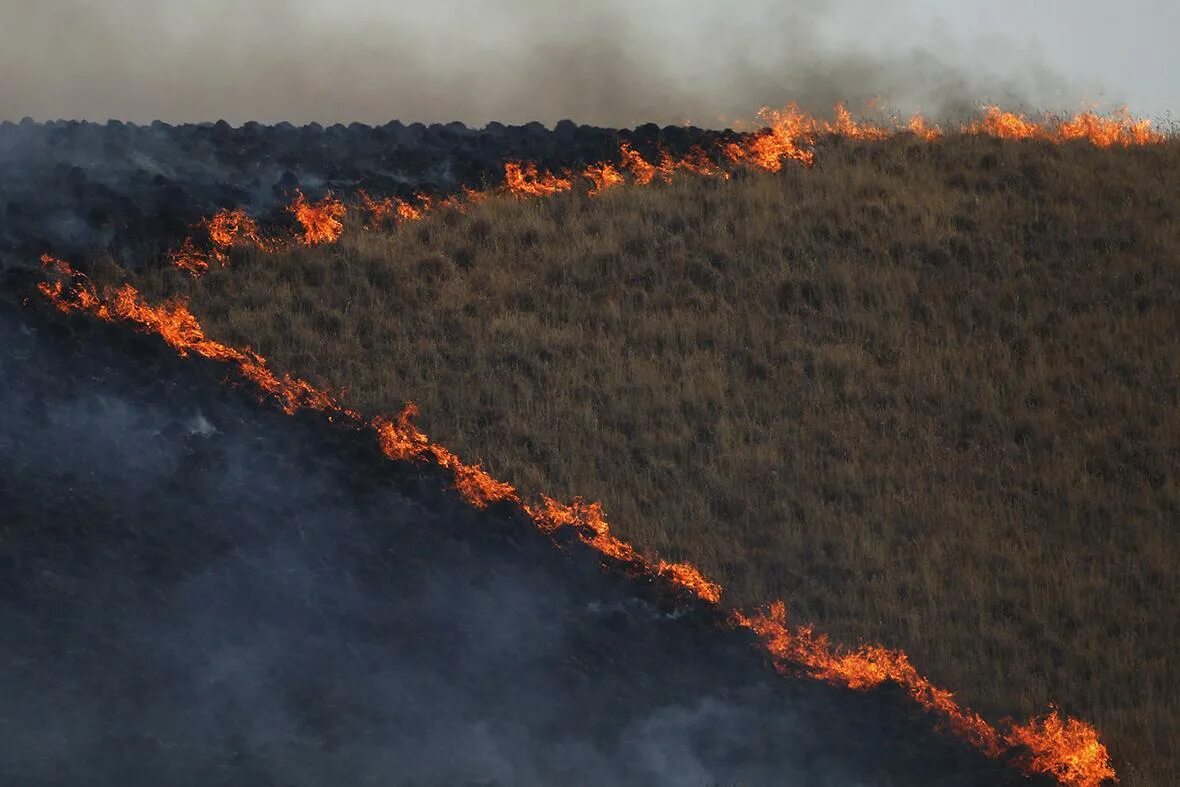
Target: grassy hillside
[(929, 394)]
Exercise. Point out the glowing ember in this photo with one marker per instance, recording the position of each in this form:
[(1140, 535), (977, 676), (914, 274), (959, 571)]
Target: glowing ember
[(1066, 749), (321, 221)]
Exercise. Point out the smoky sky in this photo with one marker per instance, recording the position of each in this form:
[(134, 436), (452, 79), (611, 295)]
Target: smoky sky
[(604, 61)]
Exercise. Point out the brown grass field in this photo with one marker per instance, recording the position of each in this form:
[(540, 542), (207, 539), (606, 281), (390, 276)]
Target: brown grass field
[(927, 393)]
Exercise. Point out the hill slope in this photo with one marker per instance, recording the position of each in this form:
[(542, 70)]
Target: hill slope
[(928, 393)]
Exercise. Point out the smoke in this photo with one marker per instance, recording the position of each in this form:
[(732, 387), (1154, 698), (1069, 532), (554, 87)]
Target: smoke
[(605, 62), (197, 590)]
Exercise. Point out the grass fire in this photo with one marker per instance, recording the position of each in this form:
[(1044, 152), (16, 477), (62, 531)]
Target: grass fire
[(841, 363)]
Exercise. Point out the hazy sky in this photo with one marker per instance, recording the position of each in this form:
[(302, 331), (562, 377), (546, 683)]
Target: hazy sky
[(597, 61)]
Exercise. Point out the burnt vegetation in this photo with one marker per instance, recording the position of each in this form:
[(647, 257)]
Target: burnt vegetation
[(926, 392)]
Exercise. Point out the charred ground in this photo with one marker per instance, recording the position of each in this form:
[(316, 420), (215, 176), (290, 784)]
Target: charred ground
[(928, 393)]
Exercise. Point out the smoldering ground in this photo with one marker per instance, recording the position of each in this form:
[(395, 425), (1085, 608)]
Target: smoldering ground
[(197, 589)]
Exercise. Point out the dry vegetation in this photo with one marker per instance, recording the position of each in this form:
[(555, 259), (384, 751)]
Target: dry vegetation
[(929, 394)]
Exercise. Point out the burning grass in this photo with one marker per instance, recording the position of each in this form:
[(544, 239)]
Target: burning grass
[(927, 392)]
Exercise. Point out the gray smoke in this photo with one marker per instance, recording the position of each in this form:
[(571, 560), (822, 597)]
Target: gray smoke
[(603, 62)]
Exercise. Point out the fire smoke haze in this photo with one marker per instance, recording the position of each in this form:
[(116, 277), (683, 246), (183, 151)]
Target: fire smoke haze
[(603, 62)]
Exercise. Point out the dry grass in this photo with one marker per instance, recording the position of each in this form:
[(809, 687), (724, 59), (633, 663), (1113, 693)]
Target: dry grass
[(927, 393)]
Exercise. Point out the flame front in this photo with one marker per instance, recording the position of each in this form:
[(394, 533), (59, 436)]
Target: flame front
[(525, 180), (321, 221), (1067, 749), (226, 228), (789, 134), (604, 176), (1118, 129)]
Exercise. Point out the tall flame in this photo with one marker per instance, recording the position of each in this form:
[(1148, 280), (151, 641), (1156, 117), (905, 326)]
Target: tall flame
[(787, 136), (1066, 749), (321, 221), (640, 169)]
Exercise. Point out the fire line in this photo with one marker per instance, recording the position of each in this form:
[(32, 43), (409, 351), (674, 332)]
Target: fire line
[(1062, 747), (787, 135)]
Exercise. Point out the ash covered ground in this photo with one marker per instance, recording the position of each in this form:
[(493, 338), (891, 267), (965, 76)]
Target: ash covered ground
[(198, 589)]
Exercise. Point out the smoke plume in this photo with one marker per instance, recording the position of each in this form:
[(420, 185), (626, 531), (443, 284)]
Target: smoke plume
[(604, 62)]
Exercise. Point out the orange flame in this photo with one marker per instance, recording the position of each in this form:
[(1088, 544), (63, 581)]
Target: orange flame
[(845, 126), (697, 162), (321, 221), (230, 227), (604, 176), (179, 328), (1068, 749), (642, 171), (917, 126), (1005, 125), (402, 441), (390, 209), (381, 212), (1119, 128), (226, 228), (787, 135), (524, 180), (190, 259)]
